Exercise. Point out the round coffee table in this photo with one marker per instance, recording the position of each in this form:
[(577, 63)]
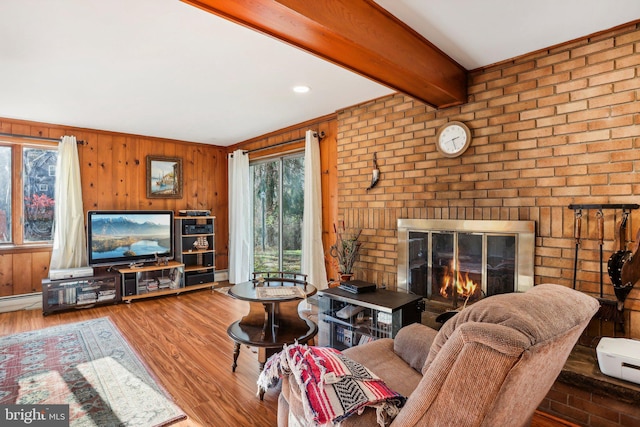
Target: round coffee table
[(273, 320)]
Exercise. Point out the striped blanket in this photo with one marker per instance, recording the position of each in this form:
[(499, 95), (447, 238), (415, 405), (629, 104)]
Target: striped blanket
[(332, 386)]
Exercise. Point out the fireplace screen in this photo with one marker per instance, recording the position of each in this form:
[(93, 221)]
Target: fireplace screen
[(459, 262)]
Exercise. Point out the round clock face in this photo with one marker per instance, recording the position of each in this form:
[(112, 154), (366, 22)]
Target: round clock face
[(453, 139)]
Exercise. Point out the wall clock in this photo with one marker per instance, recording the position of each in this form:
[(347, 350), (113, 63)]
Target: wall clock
[(453, 139)]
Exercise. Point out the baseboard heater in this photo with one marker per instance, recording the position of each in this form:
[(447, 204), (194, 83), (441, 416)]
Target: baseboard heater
[(31, 301)]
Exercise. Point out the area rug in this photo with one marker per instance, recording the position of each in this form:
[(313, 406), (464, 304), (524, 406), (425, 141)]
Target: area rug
[(88, 366)]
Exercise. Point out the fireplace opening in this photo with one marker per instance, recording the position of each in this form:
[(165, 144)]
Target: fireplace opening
[(455, 263)]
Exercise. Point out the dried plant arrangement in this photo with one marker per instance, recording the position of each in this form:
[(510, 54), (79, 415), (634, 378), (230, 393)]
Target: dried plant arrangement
[(345, 250)]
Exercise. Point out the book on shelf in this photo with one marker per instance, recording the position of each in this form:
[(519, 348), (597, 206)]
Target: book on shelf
[(177, 279), (365, 339), (164, 282), (67, 296), (86, 298), (344, 335), (348, 337), (106, 294)]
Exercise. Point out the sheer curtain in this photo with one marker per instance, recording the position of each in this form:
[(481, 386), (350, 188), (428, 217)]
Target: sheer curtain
[(239, 218), (69, 243), (312, 249)]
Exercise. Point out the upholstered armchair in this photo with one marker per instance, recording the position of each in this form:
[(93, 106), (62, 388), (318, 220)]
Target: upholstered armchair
[(489, 365)]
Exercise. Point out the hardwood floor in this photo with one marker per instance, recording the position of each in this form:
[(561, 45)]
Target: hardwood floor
[(184, 342)]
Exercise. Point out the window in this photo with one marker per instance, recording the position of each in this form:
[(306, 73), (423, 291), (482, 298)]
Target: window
[(278, 203), (5, 194), (27, 202)]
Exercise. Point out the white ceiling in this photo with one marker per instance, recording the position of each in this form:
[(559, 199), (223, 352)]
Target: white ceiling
[(164, 68), (476, 33)]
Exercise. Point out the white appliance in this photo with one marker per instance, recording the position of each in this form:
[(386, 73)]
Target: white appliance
[(619, 358), (70, 273)]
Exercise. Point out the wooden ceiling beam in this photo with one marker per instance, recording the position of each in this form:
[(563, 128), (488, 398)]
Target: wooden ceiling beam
[(358, 35)]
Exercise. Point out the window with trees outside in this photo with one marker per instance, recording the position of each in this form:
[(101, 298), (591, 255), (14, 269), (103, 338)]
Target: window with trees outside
[(27, 201), (278, 203)]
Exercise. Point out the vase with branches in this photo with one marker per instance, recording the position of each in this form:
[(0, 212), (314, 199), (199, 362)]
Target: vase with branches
[(345, 249)]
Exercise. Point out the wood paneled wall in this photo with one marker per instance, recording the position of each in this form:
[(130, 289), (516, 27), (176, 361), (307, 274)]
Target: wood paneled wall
[(113, 171), (328, 164)]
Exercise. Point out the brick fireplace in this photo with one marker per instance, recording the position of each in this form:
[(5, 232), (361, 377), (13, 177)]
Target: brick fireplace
[(550, 129)]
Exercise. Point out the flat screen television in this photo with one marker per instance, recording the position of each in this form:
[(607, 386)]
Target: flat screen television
[(129, 237)]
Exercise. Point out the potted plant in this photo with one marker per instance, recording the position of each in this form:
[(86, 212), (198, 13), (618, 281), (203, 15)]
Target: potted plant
[(345, 251)]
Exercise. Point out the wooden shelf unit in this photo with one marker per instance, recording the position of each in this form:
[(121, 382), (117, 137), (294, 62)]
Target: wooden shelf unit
[(199, 264)]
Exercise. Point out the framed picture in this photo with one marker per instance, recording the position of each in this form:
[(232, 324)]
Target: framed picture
[(164, 177)]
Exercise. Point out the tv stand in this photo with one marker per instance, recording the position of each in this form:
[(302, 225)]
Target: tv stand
[(80, 292), (153, 280)]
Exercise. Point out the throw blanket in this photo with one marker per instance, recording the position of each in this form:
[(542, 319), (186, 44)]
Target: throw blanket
[(332, 386)]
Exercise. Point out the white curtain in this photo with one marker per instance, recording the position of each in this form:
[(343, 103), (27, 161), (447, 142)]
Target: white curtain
[(69, 243), (239, 218), (312, 249)]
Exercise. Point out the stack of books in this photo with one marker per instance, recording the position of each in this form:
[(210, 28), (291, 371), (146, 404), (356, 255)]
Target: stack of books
[(86, 297), (106, 294)]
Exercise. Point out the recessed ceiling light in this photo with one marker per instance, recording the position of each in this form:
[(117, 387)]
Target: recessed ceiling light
[(301, 89)]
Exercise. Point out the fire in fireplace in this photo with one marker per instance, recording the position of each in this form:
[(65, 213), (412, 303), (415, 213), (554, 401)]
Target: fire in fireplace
[(454, 286), (456, 262)]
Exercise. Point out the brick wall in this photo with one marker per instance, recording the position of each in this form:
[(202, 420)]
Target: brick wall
[(549, 129), (589, 409)]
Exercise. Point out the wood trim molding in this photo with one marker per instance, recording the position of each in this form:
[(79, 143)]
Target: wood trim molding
[(358, 35), (283, 134)]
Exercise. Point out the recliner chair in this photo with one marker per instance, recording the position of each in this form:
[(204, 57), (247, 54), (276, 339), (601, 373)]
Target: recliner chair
[(490, 365)]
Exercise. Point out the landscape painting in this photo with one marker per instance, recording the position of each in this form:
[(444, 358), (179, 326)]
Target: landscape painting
[(164, 177)]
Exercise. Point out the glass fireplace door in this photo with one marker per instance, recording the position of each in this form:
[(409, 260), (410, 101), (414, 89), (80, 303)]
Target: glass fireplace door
[(418, 250), (474, 258), (456, 268), (501, 264)]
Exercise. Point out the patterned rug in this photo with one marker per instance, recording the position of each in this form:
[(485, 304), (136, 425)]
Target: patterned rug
[(88, 366)]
